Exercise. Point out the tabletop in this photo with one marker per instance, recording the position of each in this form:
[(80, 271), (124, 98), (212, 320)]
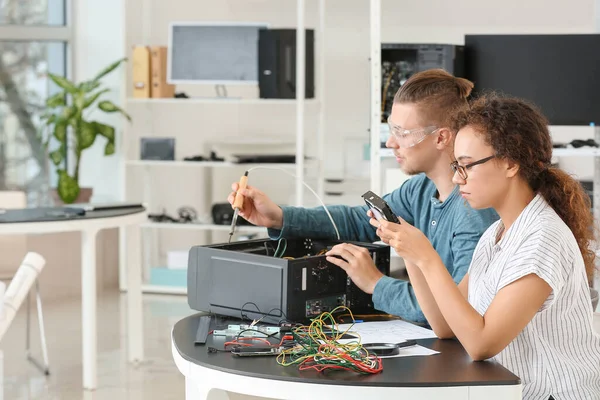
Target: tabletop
[(452, 367), (62, 214), (51, 220)]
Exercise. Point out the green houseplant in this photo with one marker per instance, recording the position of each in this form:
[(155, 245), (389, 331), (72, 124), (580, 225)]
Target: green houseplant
[(67, 122)]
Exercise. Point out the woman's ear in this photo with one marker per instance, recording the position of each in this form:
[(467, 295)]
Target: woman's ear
[(512, 168), (445, 138)]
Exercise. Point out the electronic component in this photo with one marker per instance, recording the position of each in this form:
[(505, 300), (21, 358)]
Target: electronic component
[(317, 349), (247, 331), (277, 64), (315, 307), (381, 210), (255, 351), (203, 328), (288, 279), (157, 148), (399, 61)]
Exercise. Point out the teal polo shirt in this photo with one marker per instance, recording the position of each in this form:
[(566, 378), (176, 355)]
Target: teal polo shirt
[(452, 227)]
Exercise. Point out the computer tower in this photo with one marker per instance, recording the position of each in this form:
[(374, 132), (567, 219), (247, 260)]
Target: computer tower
[(298, 284), (277, 64), (400, 61)]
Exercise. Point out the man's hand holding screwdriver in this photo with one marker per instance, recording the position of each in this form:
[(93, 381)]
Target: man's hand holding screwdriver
[(257, 207)]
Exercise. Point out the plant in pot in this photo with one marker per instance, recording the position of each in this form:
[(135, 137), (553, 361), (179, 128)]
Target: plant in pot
[(70, 129)]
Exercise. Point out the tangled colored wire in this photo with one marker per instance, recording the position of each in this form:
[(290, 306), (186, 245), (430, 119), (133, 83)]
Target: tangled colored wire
[(318, 348)]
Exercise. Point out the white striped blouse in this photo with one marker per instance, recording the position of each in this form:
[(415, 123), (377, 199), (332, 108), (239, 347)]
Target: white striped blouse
[(558, 352)]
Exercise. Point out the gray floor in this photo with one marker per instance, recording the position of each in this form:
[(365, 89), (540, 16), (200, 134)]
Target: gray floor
[(156, 378)]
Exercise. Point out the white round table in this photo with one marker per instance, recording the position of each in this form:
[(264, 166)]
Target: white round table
[(128, 221), (450, 375)]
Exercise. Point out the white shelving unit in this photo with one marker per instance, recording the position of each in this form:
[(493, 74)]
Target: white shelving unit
[(216, 100), (572, 152), (376, 127), (206, 164), (568, 152), (595, 153), (375, 69), (146, 169)]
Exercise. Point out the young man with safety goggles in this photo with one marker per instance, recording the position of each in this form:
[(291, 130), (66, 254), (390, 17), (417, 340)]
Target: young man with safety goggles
[(423, 145)]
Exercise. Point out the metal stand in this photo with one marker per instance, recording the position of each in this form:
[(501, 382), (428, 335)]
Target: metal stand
[(375, 67), (596, 196), (45, 367)]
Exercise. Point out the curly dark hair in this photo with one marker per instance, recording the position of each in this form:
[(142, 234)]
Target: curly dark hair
[(437, 93), (518, 131)]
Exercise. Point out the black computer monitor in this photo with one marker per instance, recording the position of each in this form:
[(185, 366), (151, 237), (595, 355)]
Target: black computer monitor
[(559, 73)]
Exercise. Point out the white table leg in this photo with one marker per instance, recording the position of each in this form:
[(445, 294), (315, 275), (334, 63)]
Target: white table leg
[(192, 392), (122, 258), (1, 375), (196, 391), (135, 333), (88, 308)]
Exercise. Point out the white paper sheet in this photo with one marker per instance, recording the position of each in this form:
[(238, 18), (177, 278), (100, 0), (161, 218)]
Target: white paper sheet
[(413, 351), (391, 332), (388, 331)]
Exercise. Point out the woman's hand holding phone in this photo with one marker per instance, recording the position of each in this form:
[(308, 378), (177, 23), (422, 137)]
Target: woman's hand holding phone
[(409, 242)]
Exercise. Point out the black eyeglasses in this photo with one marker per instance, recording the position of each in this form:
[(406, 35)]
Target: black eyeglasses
[(462, 169)]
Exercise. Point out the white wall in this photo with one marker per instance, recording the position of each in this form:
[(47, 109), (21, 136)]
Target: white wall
[(99, 41), (99, 33), (447, 22), (443, 21)]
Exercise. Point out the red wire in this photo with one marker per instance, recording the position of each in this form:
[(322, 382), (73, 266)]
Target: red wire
[(263, 340), (239, 341), (236, 343), (311, 363)]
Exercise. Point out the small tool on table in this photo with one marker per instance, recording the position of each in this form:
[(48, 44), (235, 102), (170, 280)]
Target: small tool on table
[(237, 203), (388, 349)]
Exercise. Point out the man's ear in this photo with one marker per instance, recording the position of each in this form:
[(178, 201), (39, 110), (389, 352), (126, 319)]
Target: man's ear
[(445, 138)]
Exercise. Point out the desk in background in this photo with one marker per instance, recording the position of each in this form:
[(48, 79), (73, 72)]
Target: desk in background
[(450, 375), (128, 221)]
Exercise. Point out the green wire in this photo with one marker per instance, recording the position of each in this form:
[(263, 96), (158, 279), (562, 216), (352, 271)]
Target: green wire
[(279, 254)]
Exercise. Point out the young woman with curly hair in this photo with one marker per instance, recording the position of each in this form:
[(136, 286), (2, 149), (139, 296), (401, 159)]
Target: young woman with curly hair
[(525, 300)]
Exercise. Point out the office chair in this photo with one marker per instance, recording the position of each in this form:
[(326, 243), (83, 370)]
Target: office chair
[(15, 200)]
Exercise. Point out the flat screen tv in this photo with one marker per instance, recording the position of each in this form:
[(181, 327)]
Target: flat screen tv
[(559, 73), (213, 52)]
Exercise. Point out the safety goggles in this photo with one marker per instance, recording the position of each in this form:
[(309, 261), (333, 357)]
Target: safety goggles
[(406, 138)]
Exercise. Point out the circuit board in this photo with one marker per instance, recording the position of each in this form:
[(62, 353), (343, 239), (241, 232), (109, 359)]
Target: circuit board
[(393, 76), (247, 330), (314, 307)]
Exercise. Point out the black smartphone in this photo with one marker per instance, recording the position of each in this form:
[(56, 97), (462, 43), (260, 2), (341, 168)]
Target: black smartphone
[(380, 208)]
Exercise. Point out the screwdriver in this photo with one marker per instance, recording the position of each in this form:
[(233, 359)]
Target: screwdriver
[(237, 203)]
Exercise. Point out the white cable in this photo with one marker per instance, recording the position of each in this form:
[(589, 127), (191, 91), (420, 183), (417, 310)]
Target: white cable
[(309, 188)]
